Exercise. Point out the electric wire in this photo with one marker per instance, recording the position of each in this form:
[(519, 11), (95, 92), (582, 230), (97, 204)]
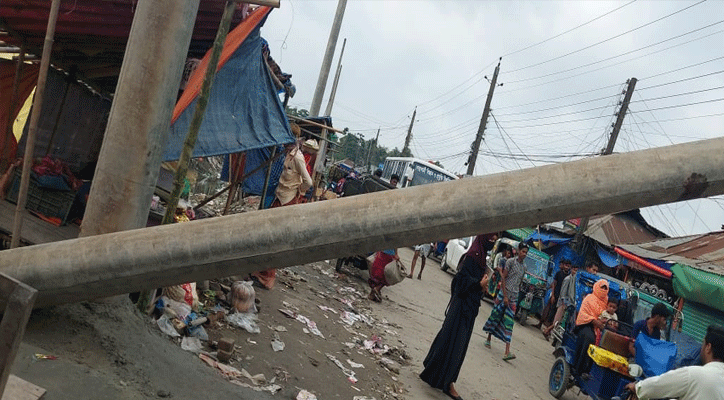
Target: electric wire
[(629, 52), (603, 107), (611, 38), (606, 66), (569, 30)]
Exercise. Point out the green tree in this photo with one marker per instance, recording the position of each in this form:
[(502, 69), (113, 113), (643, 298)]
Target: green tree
[(297, 112)]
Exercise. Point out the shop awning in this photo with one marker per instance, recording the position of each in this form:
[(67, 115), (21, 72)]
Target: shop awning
[(699, 286)]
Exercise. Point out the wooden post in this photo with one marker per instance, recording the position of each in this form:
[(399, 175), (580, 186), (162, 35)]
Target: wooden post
[(20, 303), (13, 106), (33, 127)]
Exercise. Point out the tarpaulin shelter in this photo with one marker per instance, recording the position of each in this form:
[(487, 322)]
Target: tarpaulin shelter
[(90, 41), (244, 111)]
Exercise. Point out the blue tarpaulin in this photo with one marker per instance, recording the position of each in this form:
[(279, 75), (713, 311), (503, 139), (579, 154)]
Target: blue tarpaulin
[(244, 111), (548, 239), (610, 259)]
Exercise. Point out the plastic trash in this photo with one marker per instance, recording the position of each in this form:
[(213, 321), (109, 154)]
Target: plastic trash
[(164, 323), (192, 344), (348, 372), (304, 395), (181, 310), (245, 321), (277, 345), (242, 297)]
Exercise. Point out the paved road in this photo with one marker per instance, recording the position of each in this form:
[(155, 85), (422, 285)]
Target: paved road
[(418, 306)]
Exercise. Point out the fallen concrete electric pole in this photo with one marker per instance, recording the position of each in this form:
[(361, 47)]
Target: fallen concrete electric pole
[(128, 261)]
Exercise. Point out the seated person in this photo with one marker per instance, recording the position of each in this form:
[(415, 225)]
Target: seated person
[(588, 323), (566, 298), (651, 326), (693, 382), (609, 314)]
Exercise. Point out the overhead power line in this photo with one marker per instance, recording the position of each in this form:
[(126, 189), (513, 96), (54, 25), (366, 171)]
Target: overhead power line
[(609, 65), (482, 70), (570, 30), (629, 52), (604, 107), (609, 39)]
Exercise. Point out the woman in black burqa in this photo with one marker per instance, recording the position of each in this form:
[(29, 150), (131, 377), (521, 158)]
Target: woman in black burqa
[(447, 353)]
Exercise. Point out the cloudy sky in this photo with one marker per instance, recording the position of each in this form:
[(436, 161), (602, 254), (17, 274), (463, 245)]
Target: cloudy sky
[(564, 68)]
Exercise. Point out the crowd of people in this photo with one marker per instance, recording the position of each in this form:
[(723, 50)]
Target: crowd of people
[(597, 311)]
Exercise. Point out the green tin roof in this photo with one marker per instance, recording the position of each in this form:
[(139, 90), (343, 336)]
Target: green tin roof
[(520, 233)]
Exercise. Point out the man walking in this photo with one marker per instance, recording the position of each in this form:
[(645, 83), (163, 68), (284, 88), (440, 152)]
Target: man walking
[(698, 382), (421, 250), (500, 323)]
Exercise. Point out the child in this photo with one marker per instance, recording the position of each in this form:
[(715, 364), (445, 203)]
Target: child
[(610, 313)]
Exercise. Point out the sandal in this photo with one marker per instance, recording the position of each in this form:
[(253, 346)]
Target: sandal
[(487, 344), (508, 357)]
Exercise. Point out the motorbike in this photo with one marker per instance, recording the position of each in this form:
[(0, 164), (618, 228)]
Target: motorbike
[(530, 297)]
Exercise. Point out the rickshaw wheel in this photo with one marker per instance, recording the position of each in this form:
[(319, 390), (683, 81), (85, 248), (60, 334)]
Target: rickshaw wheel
[(523, 317), (560, 375)]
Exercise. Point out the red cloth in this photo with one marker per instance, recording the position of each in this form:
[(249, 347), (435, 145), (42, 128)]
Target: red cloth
[(309, 160), (377, 271)]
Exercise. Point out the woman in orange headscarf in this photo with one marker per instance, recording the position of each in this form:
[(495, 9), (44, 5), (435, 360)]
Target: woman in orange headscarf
[(587, 323)]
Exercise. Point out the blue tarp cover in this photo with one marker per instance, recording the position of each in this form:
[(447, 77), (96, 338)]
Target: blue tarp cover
[(548, 238), (244, 111), (610, 259)]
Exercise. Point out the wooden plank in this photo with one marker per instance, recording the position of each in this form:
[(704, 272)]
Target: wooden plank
[(20, 303), (35, 230), (20, 389)]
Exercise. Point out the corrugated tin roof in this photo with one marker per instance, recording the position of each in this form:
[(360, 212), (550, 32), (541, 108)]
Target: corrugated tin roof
[(620, 229), (91, 35), (705, 252)]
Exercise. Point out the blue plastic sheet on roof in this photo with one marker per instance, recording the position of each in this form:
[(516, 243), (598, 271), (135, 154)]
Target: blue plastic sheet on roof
[(548, 238), (244, 111), (608, 258)]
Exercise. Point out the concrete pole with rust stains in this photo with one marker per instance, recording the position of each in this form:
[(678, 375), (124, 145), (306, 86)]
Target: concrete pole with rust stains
[(123, 262), (138, 124)]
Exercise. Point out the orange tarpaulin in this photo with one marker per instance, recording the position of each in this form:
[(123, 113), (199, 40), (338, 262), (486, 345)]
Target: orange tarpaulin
[(233, 40)]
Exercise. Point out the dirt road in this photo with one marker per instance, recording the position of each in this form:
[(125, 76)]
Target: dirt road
[(111, 352), (418, 306)]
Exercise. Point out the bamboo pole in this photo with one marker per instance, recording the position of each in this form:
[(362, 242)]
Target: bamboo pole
[(255, 170), (273, 156), (34, 121), (202, 102), (318, 125)]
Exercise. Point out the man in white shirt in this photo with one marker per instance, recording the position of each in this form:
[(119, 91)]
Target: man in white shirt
[(705, 382)]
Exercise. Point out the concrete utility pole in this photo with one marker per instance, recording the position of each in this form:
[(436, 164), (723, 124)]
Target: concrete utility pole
[(483, 121), (327, 61), (369, 151), (140, 116), (333, 94), (33, 126), (408, 138), (129, 261), (583, 225)]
